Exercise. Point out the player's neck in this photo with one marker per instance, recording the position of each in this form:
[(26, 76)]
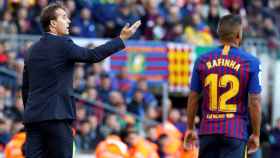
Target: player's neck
[(232, 44)]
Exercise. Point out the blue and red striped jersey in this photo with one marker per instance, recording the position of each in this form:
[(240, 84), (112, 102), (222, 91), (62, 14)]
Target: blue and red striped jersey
[(225, 76)]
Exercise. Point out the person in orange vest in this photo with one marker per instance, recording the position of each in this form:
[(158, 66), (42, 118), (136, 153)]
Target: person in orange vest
[(138, 146), (111, 147), (169, 129), (169, 147), (14, 149)]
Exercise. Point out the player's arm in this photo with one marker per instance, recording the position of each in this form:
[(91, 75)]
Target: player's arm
[(192, 108), (191, 137), (196, 87), (254, 104)]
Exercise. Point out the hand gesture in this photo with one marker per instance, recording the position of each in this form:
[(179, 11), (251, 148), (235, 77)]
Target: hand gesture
[(190, 140), (127, 31), (253, 144)]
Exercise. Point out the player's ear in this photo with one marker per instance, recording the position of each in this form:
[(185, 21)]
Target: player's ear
[(239, 35), (238, 38)]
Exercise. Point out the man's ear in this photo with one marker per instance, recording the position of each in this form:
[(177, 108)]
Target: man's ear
[(239, 37), (53, 23)]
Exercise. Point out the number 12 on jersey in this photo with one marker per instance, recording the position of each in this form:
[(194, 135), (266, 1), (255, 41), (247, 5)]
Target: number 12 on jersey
[(219, 103)]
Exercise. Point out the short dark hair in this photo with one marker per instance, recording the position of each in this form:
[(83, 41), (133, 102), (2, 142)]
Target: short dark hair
[(48, 14), (229, 27)]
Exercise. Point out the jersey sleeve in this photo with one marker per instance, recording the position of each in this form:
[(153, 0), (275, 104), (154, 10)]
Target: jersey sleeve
[(255, 78), (196, 84)]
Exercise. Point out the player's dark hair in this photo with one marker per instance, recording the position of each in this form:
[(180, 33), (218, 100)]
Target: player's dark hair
[(48, 14), (229, 27)]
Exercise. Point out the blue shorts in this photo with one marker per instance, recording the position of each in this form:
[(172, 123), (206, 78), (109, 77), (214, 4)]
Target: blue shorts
[(219, 146)]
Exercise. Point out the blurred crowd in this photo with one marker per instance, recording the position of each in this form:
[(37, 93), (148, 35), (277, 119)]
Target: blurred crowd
[(134, 126), (193, 21)]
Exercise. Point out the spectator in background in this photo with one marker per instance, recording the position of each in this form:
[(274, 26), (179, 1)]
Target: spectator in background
[(174, 117), (149, 97), (257, 7), (152, 113), (94, 71), (15, 147), (275, 140), (34, 15), (22, 21), (198, 32), (173, 17), (150, 19), (16, 126), (105, 87), (84, 139), (81, 115), (276, 13), (19, 65), (164, 7), (90, 94), (216, 5), (236, 7), (175, 33), (159, 31), (182, 123), (213, 17), (3, 5), (270, 32), (122, 83), (111, 147), (90, 81), (83, 25), (7, 98), (151, 134), (71, 8), (105, 14), (116, 100), (138, 9), (5, 134), (256, 15), (79, 78), (7, 25), (136, 106), (110, 126), (124, 16), (97, 109), (139, 146), (23, 50), (188, 8), (35, 10), (15, 112), (3, 55), (2, 97)]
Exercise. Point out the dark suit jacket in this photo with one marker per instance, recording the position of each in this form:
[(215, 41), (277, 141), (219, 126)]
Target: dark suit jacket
[(48, 76)]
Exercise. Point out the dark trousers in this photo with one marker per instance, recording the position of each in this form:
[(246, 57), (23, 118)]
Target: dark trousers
[(219, 146), (49, 139)]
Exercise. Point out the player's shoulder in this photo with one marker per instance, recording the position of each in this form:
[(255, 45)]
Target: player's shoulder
[(248, 56)]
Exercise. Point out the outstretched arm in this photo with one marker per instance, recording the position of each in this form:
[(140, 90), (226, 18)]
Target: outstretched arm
[(80, 54)]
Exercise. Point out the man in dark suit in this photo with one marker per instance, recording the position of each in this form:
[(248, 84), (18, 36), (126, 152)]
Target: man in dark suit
[(47, 89)]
